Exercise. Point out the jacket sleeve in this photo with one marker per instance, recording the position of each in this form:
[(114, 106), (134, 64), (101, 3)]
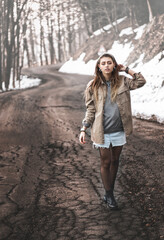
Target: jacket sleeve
[(137, 81), (90, 108)]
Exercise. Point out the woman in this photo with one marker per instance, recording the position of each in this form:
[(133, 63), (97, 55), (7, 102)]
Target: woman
[(108, 113)]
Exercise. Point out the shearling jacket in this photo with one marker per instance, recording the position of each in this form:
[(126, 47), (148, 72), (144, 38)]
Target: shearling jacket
[(95, 108)]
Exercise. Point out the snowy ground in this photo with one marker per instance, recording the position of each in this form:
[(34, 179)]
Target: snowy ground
[(25, 82), (147, 102)]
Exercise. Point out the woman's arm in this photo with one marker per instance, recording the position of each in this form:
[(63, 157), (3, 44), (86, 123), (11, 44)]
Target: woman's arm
[(89, 115), (90, 108), (137, 81)]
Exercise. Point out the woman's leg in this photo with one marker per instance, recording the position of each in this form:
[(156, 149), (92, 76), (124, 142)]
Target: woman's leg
[(114, 163), (105, 157), (109, 165)]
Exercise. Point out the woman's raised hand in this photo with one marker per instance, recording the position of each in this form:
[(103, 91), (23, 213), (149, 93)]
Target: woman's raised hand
[(121, 67), (82, 137)]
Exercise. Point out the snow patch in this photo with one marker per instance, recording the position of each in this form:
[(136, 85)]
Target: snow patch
[(126, 31), (107, 27), (121, 51), (119, 20), (24, 83), (79, 66), (147, 101), (139, 31)]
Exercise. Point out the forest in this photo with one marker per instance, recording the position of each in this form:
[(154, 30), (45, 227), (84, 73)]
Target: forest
[(48, 32)]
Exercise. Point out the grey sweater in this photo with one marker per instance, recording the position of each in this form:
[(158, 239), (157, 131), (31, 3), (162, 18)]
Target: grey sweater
[(112, 118)]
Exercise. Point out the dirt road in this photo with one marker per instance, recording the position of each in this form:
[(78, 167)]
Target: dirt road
[(50, 184)]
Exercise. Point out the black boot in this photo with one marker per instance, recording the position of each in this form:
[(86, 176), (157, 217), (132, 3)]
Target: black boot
[(110, 200)]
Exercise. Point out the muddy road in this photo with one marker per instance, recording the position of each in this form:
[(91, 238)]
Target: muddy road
[(50, 186)]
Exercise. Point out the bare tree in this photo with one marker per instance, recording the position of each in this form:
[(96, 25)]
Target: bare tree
[(10, 15), (87, 15)]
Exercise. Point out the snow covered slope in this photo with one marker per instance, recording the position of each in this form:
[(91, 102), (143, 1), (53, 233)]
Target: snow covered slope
[(147, 102)]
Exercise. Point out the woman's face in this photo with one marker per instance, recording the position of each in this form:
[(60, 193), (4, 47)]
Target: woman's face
[(106, 65)]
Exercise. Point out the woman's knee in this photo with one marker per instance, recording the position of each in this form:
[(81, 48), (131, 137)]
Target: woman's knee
[(105, 163), (114, 160)]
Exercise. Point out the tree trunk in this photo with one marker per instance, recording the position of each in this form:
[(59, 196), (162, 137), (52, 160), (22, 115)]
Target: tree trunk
[(32, 43), (150, 11), (45, 51), (85, 18), (14, 60), (9, 42), (0, 44), (59, 37), (50, 39), (109, 18), (41, 34), (27, 51)]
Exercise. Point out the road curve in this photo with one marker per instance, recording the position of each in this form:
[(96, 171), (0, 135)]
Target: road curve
[(50, 184)]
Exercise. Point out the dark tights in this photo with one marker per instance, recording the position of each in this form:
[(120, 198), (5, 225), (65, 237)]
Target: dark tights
[(109, 165)]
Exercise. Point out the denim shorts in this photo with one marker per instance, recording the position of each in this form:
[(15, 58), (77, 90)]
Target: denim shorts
[(114, 139)]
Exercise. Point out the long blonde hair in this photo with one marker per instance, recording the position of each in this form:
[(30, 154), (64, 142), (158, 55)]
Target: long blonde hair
[(100, 78)]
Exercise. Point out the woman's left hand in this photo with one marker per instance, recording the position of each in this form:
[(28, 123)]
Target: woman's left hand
[(121, 67)]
